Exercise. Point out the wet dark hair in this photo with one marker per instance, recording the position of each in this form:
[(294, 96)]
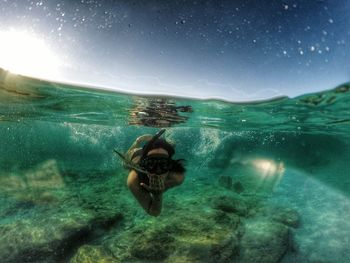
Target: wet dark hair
[(176, 165)]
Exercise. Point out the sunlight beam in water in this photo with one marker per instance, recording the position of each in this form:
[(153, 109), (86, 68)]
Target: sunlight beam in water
[(271, 172), (268, 168)]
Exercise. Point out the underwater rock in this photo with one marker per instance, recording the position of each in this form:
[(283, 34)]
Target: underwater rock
[(180, 236), (264, 241), (228, 219), (93, 254), (36, 240), (50, 237), (230, 204), (226, 250), (38, 185), (287, 216), (153, 246), (284, 215)]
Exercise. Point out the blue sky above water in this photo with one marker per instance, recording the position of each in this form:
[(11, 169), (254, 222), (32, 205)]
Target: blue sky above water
[(234, 50)]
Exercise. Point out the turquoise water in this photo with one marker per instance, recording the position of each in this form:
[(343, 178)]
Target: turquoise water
[(266, 181)]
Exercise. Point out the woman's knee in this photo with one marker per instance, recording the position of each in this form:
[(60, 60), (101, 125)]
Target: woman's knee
[(154, 213)]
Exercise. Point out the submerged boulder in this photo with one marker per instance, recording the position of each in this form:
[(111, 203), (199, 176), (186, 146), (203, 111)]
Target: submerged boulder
[(50, 237), (287, 216), (229, 220), (264, 242), (155, 245), (93, 254), (284, 215), (34, 241), (189, 233), (226, 250), (231, 204)]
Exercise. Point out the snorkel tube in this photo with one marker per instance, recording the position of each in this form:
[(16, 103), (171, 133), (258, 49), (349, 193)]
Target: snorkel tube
[(150, 143), (129, 163), (145, 149)]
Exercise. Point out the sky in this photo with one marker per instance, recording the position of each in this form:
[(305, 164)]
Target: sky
[(233, 50)]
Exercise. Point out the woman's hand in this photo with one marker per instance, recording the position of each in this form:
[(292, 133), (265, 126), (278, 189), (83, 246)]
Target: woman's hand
[(156, 184), (136, 144)]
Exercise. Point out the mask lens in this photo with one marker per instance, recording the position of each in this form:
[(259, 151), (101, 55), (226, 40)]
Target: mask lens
[(158, 165)]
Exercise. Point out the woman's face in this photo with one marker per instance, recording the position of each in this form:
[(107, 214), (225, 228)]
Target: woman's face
[(157, 161)]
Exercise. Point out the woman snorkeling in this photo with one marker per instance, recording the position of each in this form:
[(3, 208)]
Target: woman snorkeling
[(152, 170)]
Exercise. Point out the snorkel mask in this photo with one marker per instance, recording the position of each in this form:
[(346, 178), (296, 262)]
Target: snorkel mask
[(156, 163)]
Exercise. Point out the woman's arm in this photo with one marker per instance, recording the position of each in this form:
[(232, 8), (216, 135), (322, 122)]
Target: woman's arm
[(174, 179), (137, 144)]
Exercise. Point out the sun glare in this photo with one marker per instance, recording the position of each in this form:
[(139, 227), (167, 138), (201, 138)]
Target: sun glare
[(269, 168), (25, 54)]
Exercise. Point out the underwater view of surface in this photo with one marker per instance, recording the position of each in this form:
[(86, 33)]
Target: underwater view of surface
[(265, 181)]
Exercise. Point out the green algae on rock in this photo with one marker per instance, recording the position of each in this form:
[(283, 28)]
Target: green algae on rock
[(264, 242), (205, 235), (287, 216), (93, 254), (230, 204), (42, 239), (155, 245)]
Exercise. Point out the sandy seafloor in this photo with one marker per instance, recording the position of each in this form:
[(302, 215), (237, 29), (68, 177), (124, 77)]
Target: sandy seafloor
[(324, 232)]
